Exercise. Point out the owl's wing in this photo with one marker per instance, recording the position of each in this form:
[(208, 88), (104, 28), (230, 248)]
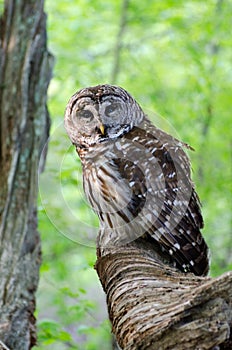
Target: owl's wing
[(156, 195)]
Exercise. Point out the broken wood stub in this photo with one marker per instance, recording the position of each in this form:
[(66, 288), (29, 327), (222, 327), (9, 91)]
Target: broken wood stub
[(154, 306)]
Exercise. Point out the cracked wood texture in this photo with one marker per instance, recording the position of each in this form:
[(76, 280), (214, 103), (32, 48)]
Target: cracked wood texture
[(25, 70), (152, 305)]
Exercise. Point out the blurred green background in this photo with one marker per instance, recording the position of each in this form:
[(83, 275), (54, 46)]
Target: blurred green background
[(175, 58)]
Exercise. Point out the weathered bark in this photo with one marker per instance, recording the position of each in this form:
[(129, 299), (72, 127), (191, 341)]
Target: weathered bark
[(154, 306), (25, 70)]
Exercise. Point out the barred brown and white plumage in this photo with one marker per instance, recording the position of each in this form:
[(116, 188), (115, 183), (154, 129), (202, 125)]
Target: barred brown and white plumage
[(136, 177)]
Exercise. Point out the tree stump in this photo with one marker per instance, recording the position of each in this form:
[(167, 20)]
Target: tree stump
[(152, 305)]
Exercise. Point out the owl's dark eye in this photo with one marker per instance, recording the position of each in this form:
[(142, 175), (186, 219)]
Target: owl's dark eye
[(111, 108), (85, 114)]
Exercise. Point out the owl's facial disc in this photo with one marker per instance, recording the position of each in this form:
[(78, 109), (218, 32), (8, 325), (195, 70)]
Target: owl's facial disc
[(99, 121), (100, 114)]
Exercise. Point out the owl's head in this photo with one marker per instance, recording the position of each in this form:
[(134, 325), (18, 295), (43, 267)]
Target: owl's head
[(100, 113)]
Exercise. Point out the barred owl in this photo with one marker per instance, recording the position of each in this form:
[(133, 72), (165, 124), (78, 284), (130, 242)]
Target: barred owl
[(136, 177)]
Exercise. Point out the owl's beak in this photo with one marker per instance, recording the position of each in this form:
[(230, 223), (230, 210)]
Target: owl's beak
[(102, 129)]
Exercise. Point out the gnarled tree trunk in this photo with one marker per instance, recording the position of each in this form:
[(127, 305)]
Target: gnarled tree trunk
[(154, 306), (25, 70)]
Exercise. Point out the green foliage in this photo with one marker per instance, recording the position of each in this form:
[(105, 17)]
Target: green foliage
[(174, 57), (51, 332)]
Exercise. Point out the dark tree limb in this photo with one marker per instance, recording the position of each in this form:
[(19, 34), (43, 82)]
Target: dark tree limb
[(214, 49), (118, 44), (154, 306), (25, 71)]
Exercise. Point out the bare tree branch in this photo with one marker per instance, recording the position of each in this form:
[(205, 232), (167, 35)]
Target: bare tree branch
[(119, 45), (153, 306), (214, 48)]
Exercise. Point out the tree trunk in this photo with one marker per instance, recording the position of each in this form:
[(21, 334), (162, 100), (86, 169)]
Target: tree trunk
[(25, 70), (154, 306)]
